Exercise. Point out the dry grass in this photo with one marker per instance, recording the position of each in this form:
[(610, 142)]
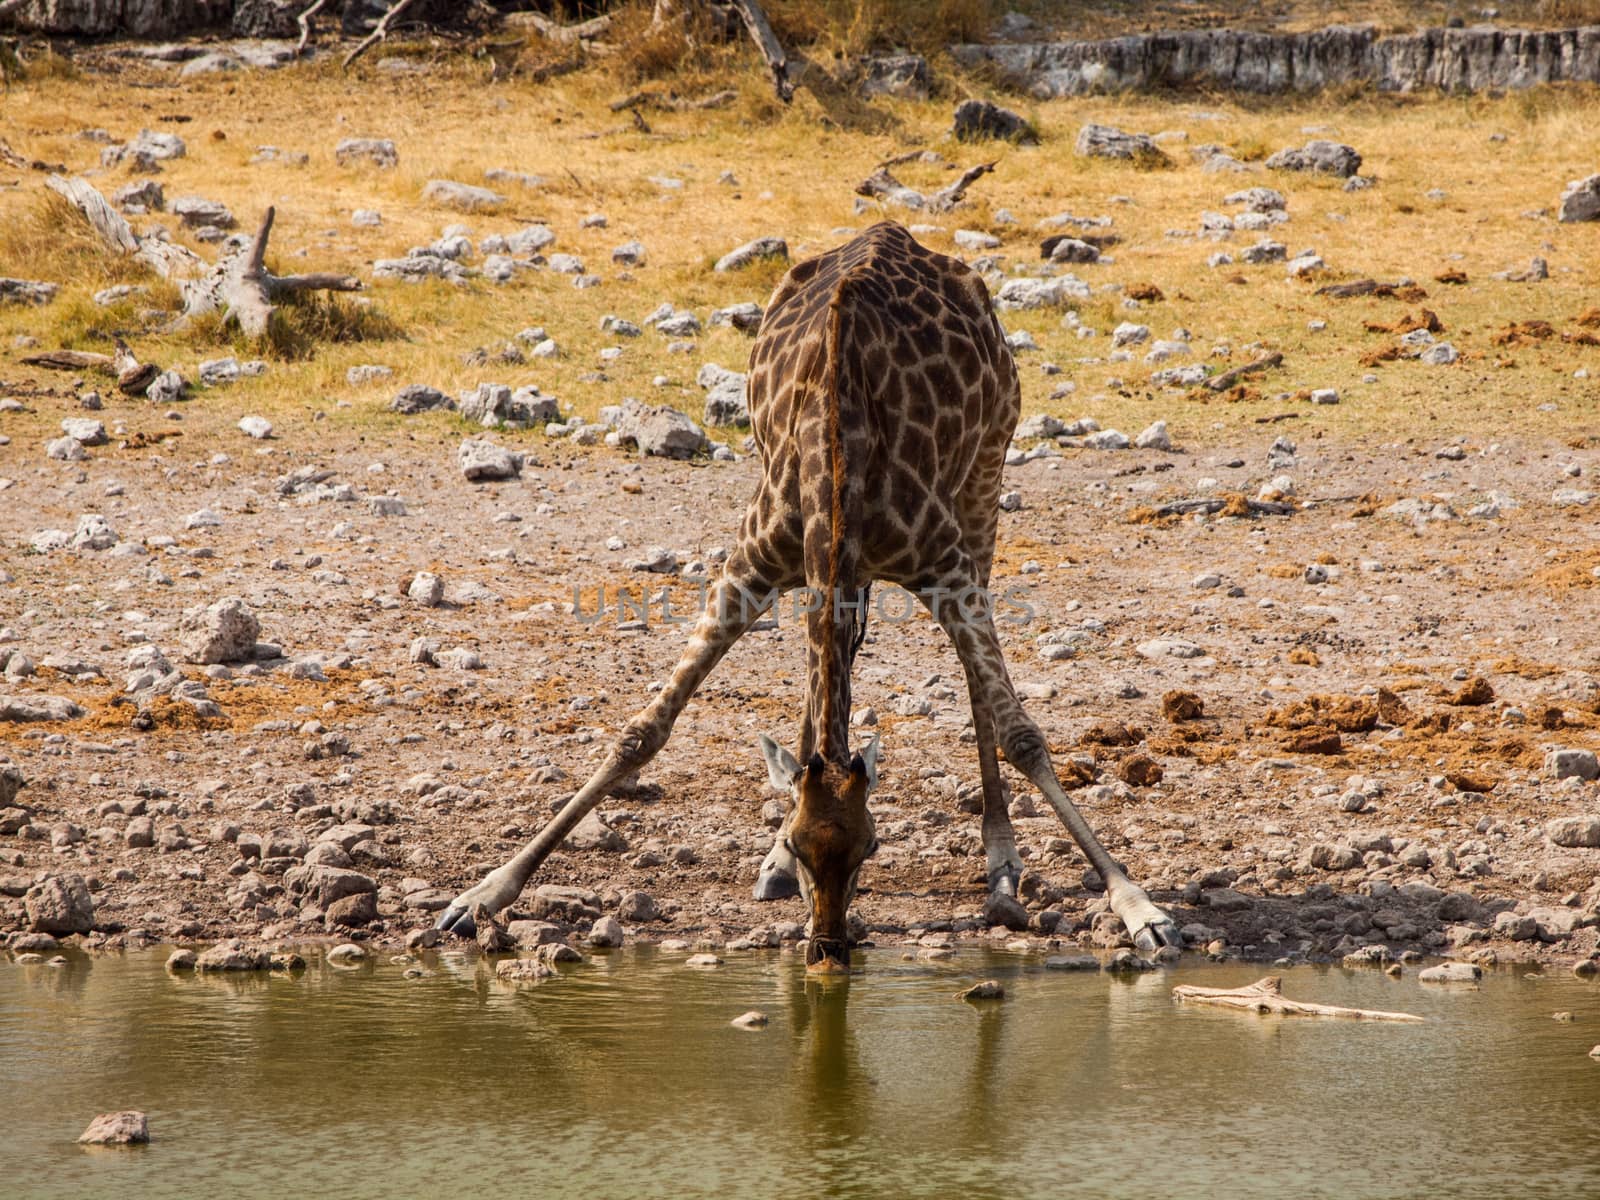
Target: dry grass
[(796, 168)]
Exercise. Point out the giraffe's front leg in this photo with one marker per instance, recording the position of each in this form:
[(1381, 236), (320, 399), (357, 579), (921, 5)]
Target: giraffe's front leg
[(732, 607), (971, 628), (999, 836)]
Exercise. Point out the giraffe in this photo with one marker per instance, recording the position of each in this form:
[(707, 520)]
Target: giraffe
[(882, 399)]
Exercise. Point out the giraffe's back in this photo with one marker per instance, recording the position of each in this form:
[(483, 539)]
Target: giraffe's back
[(913, 383)]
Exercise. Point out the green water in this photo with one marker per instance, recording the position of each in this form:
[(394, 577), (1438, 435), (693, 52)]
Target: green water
[(623, 1078)]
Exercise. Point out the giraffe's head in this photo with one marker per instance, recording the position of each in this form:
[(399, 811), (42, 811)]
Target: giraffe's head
[(830, 833)]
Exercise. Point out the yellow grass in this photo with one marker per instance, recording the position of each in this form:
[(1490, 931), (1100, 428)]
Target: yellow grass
[(796, 168)]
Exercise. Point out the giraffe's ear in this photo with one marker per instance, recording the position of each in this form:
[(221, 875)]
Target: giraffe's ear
[(866, 763), (781, 765)]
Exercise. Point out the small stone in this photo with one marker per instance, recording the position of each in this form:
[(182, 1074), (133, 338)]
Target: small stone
[(1327, 857), (127, 1128), (461, 196), (426, 589), (181, 960), (1332, 158), (256, 427), (1001, 909), (377, 152), (484, 461), (702, 961), (1456, 972), (979, 119), (752, 252), (606, 933), (224, 632), (988, 989), (754, 1019), (1155, 437), (1572, 763), (347, 953), (1574, 832), (1105, 141), (522, 970), (60, 905)]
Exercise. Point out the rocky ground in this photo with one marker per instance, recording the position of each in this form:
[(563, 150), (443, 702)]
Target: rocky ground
[(313, 685), (297, 646)]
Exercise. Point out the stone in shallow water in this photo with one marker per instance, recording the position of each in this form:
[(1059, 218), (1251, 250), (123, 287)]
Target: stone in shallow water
[(754, 1019), (126, 1128), (1456, 972), (522, 970), (234, 955), (988, 989)]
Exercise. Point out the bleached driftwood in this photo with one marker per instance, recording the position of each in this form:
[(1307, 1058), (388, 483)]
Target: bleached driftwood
[(238, 284), (244, 290), (164, 258), (553, 31), (380, 33), (132, 376), (1228, 378), (771, 48), (883, 184), (304, 21), (1215, 504), (1265, 996)]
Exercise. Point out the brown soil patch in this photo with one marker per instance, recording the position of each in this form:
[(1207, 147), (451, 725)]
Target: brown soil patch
[(1139, 771), (1314, 741), (1304, 656), (1589, 318), (1571, 570), (1347, 714), (1475, 691), (1452, 277), (1149, 293), (1182, 706), (1514, 664), (1524, 333), (1426, 319), (1470, 781), (1111, 733)]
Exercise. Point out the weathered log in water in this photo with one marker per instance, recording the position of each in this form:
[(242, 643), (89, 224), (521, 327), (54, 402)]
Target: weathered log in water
[(1450, 59)]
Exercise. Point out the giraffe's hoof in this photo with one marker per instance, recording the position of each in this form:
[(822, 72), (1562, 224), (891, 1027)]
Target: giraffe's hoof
[(1004, 880), (1157, 936), (775, 885), (457, 920)]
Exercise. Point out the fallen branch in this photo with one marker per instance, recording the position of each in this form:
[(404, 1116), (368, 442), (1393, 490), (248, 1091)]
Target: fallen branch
[(883, 185), (70, 360), (304, 21), (166, 259), (563, 34), (1228, 378), (1215, 504), (771, 48), (380, 33), (1265, 996), (674, 104), (241, 286), (238, 283)]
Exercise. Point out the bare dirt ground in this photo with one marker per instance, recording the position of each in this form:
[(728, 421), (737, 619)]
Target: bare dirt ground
[(1344, 782), (1458, 798)]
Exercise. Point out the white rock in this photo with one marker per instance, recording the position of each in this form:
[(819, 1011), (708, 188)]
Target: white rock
[(256, 427), (1154, 438)]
